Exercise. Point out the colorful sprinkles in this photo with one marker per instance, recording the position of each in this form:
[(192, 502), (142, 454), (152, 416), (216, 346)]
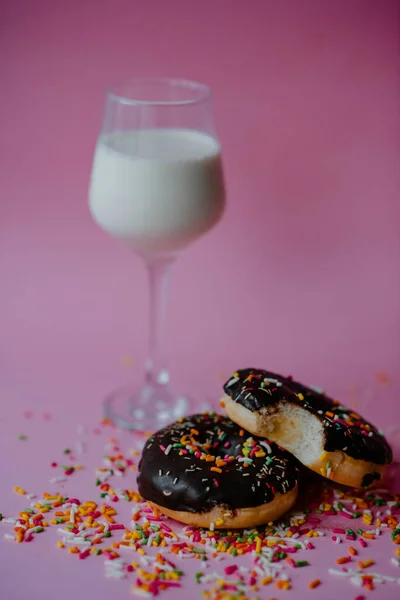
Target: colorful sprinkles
[(150, 550)]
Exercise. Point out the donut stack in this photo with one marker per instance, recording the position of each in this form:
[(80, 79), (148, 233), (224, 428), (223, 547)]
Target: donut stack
[(212, 471)]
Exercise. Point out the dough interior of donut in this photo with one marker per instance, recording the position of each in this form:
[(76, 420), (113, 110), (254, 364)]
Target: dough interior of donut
[(298, 431), (302, 434)]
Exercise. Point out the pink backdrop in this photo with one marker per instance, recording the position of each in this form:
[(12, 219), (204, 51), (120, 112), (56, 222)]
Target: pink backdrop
[(302, 275)]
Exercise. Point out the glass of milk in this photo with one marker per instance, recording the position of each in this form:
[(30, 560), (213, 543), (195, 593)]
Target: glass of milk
[(156, 185)]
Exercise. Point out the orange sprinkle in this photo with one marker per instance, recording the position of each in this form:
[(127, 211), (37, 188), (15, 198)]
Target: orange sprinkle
[(352, 551), (366, 563), (369, 536), (329, 414), (342, 560), (222, 404), (241, 432), (314, 584), (97, 540)]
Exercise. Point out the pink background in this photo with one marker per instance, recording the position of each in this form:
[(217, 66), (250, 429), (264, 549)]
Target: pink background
[(301, 276)]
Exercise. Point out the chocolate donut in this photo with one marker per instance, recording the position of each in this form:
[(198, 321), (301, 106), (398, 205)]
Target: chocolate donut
[(323, 434), (206, 471)]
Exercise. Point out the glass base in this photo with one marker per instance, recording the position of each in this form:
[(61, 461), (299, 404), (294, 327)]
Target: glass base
[(147, 409)]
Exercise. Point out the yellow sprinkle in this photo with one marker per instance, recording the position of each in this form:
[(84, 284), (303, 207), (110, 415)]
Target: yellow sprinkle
[(258, 545), (300, 396), (141, 551), (60, 544), (260, 454), (219, 521), (323, 456)]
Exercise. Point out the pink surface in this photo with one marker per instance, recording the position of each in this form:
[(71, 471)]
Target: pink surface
[(301, 275)]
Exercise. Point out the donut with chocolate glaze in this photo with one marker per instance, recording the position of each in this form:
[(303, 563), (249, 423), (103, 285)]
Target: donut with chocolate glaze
[(204, 470), (321, 433)]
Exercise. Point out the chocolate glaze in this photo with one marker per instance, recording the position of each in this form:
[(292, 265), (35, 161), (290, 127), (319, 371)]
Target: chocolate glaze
[(186, 482), (344, 429)]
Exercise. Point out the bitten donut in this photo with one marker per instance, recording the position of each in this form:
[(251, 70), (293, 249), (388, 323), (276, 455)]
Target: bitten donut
[(321, 433), (206, 471)]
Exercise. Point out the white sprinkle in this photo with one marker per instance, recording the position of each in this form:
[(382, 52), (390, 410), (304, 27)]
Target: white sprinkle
[(66, 532), (395, 561), (78, 541), (336, 572), (317, 389), (168, 449), (212, 526), (31, 496), (338, 540), (9, 520), (57, 479), (232, 381), (8, 536), (267, 446), (357, 580)]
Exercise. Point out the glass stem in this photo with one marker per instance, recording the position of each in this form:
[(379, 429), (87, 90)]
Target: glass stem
[(159, 272)]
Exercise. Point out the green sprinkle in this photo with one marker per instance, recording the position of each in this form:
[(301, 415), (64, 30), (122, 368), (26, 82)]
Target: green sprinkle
[(98, 482), (98, 551), (234, 552), (301, 563), (107, 534), (59, 520), (1, 517), (340, 505), (356, 515), (37, 529), (198, 551), (350, 532), (198, 576), (298, 546), (395, 532), (103, 495), (126, 496), (360, 531), (22, 437), (155, 527), (67, 451), (380, 502), (318, 511), (29, 511), (328, 464)]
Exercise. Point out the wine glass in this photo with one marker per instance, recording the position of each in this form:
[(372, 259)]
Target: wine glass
[(156, 185)]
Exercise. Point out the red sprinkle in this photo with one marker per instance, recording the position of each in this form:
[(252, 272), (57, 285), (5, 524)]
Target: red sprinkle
[(338, 530), (231, 569)]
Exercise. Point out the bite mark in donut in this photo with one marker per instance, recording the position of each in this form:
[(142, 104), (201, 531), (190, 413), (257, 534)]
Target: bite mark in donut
[(324, 435), (206, 470)]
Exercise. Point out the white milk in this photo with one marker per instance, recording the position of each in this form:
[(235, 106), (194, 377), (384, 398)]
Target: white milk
[(157, 190)]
